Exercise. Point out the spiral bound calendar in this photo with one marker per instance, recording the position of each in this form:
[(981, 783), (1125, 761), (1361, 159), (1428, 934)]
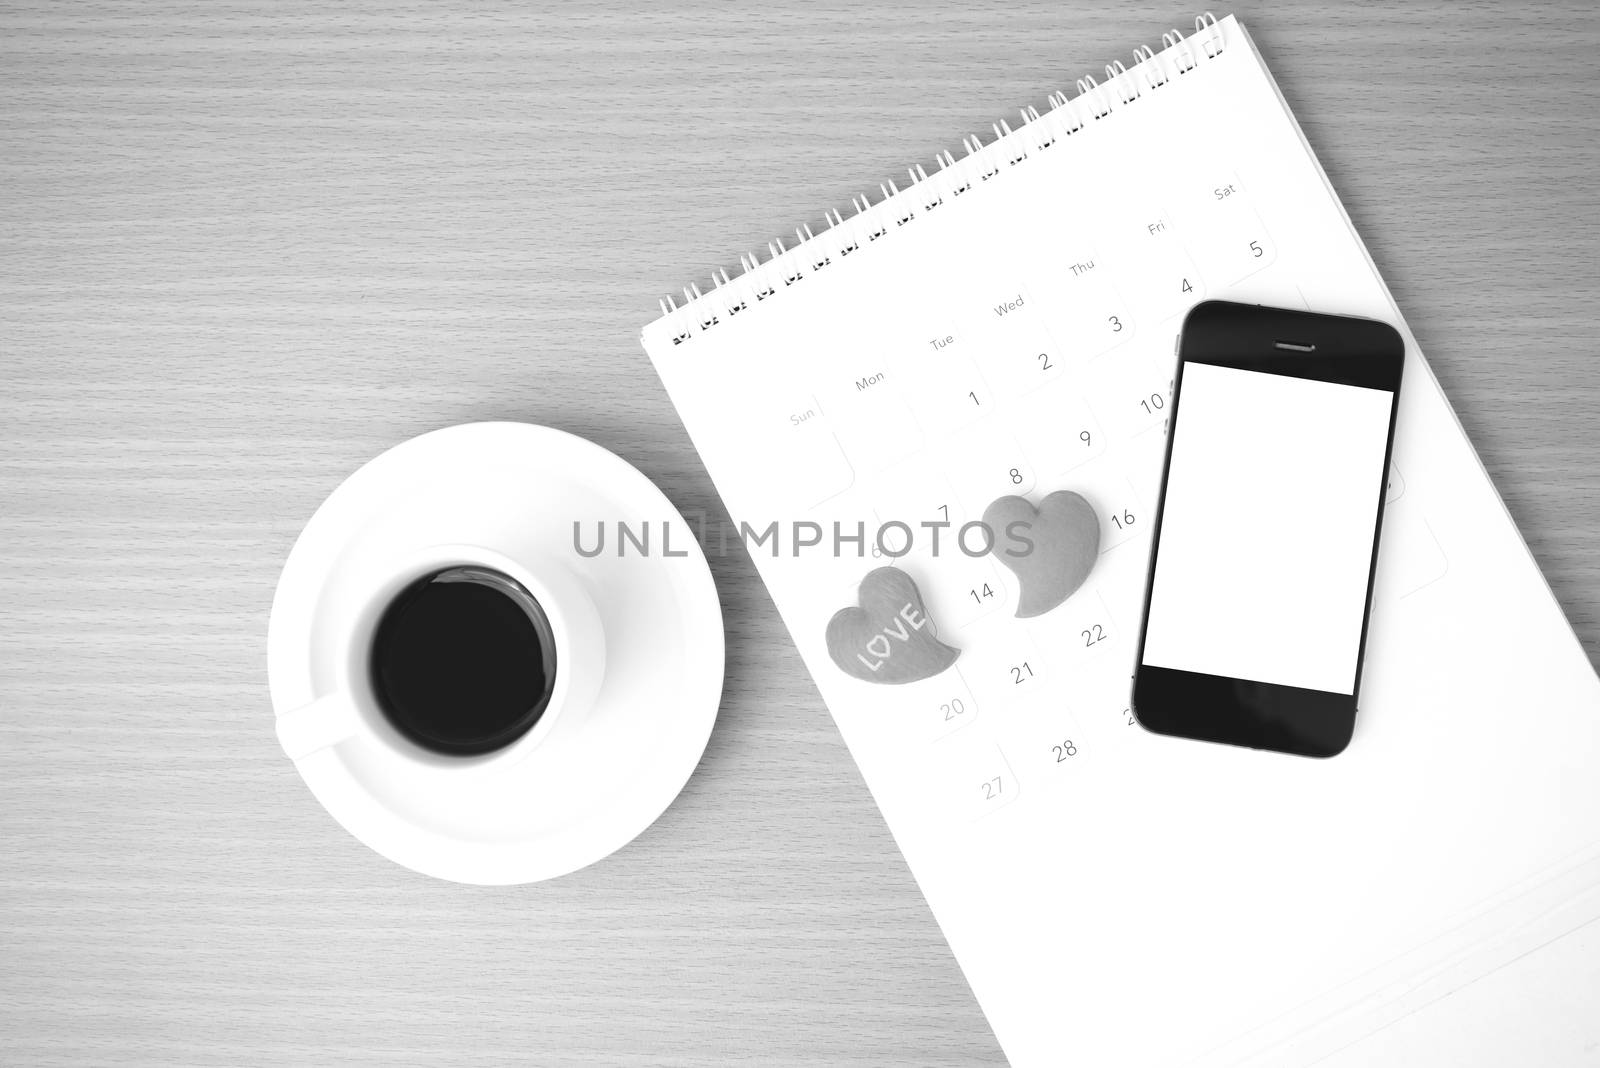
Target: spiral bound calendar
[(1002, 324)]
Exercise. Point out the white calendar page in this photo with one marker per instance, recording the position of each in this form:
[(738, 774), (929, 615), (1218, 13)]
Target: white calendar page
[(1115, 896)]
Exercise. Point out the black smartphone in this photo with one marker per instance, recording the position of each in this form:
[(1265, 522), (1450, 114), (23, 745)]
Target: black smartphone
[(1266, 535)]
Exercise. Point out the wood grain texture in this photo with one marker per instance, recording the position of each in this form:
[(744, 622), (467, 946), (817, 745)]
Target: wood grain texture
[(246, 246)]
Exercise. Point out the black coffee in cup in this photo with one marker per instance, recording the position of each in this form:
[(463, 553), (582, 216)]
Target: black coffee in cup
[(463, 661)]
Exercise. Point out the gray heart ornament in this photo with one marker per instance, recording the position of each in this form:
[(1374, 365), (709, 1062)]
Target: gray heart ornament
[(1051, 549), (887, 637)]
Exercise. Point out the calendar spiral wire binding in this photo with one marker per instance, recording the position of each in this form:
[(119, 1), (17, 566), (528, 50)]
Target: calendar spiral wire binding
[(786, 265)]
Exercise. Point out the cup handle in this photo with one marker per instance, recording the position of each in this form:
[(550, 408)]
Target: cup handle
[(325, 722)]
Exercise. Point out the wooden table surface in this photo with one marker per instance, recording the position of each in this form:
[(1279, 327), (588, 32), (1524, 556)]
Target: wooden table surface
[(246, 246)]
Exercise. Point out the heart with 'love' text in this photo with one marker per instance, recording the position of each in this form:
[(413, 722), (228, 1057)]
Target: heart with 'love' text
[(887, 637)]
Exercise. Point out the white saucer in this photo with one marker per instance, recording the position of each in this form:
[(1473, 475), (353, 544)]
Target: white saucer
[(518, 489)]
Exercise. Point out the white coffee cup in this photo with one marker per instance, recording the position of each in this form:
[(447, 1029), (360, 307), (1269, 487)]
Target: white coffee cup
[(348, 714)]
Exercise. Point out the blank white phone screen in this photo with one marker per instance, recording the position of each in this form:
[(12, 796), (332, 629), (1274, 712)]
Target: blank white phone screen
[(1267, 531)]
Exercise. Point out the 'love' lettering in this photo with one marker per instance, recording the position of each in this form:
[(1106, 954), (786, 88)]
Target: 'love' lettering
[(889, 637)]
